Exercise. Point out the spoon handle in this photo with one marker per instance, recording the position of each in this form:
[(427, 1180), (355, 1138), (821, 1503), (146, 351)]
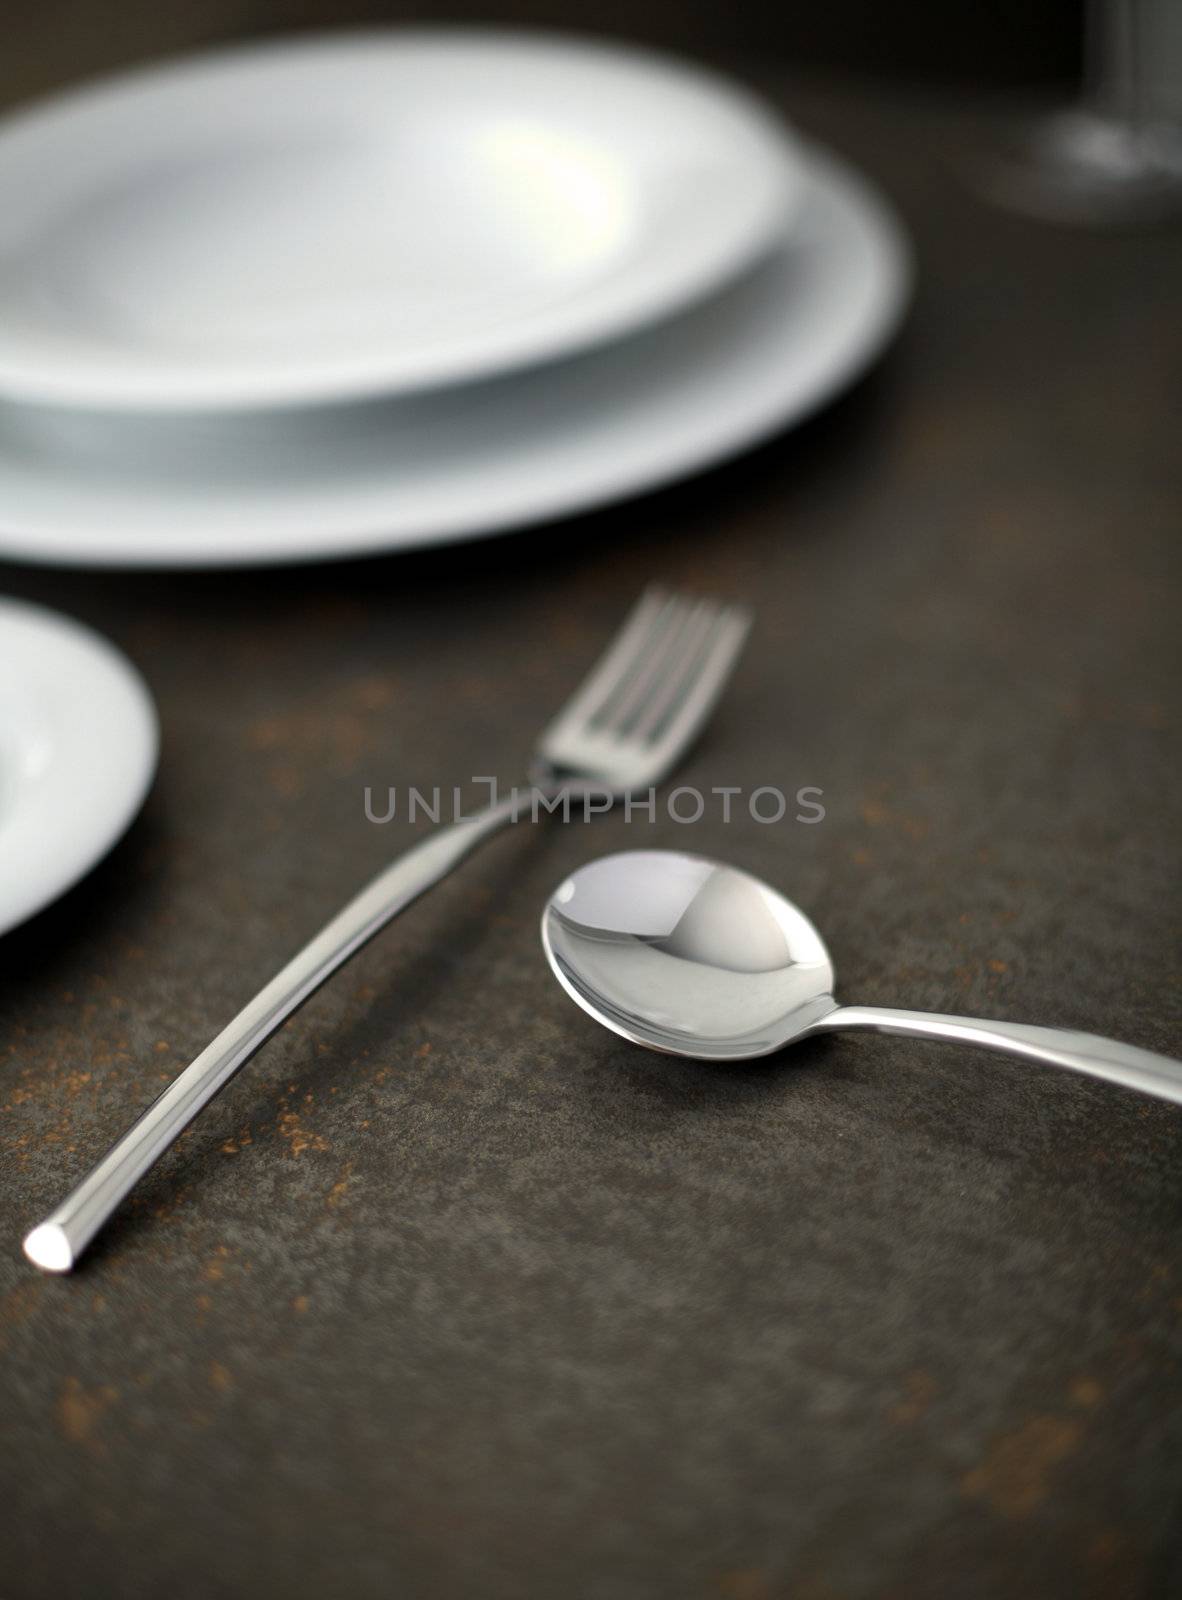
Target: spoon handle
[(1057, 1047)]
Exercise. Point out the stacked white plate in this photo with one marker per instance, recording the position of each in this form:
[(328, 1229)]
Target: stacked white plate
[(367, 292)]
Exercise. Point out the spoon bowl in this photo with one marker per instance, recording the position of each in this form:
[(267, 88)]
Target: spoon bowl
[(690, 957), (684, 955)]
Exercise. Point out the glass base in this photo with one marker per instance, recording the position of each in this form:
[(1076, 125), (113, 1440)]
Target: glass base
[(1082, 167)]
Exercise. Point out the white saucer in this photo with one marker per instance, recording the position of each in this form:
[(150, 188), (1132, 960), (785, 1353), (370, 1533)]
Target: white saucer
[(94, 490), (356, 216), (78, 744)]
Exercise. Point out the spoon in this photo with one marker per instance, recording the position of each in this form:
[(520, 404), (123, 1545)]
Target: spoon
[(693, 958)]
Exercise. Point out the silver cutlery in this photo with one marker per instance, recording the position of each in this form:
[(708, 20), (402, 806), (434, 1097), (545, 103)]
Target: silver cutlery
[(696, 959), (620, 734)]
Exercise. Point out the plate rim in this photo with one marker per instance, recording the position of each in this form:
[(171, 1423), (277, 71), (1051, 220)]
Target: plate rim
[(92, 833), (381, 535), (558, 330)]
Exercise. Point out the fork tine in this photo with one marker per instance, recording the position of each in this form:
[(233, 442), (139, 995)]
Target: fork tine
[(643, 624), (620, 713), (680, 673), (711, 676), (647, 696)]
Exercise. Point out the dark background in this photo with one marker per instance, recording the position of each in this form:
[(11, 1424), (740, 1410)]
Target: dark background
[(1010, 42)]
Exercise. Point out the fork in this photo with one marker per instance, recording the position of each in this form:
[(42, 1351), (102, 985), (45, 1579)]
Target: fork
[(622, 731)]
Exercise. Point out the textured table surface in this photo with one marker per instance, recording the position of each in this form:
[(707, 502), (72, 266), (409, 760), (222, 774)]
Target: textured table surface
[(452, 1294)]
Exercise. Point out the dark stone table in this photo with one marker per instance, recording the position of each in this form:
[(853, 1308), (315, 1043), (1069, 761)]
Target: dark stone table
[(452, 1294)]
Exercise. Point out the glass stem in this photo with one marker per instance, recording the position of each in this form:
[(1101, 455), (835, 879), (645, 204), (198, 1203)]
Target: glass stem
[(1111, 81)]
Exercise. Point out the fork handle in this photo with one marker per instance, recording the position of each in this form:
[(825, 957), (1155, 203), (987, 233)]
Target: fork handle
[(56, 1243), (1125, 1064)]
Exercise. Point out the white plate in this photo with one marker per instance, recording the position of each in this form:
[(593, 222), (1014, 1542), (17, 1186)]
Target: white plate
[(353, 216), (96, 490), (78, 743)]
